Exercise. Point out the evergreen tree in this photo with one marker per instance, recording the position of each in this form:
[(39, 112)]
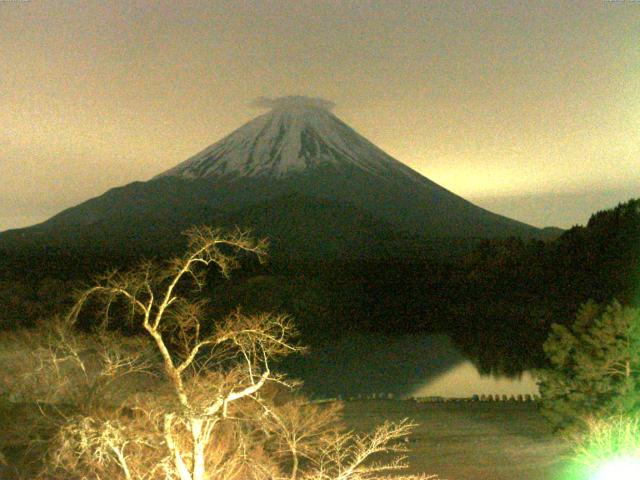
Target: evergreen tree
[(594, 365)]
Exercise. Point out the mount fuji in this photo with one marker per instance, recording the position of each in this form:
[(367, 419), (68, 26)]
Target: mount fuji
[(298, 135), (296, 174)]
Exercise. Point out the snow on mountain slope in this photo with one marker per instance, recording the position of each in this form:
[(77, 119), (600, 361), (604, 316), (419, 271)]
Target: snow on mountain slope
[(298, 134)]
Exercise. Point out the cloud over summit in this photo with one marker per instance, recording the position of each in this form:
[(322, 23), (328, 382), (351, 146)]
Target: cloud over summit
[(290, 101)]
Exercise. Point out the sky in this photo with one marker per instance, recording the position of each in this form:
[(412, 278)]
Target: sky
[(528, 108)]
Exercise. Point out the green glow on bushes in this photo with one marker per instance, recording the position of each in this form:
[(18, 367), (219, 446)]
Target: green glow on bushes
[(608, 449), (619, 469)]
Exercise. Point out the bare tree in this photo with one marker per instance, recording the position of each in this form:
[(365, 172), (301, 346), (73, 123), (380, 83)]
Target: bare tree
[(301, 429), (190, 399)]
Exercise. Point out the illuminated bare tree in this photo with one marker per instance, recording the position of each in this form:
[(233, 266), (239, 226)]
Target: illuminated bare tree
[(190, 399), (191, 351), (301, 428)]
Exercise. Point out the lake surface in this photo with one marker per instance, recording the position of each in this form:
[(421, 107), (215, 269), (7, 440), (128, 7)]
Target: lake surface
[(471, 440)]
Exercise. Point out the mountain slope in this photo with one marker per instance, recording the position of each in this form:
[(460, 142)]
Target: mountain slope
[(298, 153), (306, 146)]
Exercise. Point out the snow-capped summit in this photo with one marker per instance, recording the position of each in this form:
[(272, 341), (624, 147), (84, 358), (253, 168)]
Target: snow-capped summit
[(297, 134)]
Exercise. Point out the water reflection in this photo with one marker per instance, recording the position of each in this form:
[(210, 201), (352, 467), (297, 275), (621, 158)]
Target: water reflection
[(404, 366)]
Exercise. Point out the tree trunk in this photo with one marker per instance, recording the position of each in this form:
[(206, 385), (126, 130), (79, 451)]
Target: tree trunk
[(294, 468), (181, 468), (199, 441)]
